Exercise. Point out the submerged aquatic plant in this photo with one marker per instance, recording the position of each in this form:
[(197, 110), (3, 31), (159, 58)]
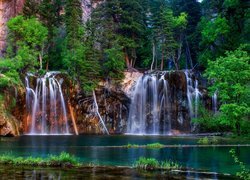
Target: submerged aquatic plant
[(244, 173)]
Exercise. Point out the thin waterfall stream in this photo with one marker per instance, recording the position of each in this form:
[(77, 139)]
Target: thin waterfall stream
[(96, 108)]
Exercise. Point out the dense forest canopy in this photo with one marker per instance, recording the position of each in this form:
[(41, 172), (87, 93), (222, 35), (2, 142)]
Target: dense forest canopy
[(211, 36)]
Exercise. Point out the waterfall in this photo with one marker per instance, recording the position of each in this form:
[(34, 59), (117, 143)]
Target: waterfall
[(189, 93), (96, 109), (46, 105), (148, 110), (164, 103), (193, 95), (214, 102)]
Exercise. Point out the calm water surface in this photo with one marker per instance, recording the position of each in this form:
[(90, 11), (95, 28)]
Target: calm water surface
[(93, 149)]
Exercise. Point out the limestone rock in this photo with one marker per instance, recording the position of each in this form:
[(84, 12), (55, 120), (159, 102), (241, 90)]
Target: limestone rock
[(8, 9)]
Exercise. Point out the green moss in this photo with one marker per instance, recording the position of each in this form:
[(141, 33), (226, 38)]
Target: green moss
[(132, 146), (153, 164), (152, 145), (155, 145)]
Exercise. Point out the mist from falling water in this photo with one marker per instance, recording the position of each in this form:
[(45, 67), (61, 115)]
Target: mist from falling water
[(46, 105)]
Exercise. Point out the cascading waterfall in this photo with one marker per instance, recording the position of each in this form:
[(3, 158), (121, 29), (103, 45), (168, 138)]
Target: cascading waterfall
[(148, 107), (46, 105), (161, 104), (193, 95)]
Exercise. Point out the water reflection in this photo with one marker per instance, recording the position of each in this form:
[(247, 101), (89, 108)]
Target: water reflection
[(99, 173), (213, 159)]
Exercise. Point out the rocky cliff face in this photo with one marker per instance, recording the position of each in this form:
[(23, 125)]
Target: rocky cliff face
[(11, 104), (113, 106), (8, 9), (87, 7), (117, 105)]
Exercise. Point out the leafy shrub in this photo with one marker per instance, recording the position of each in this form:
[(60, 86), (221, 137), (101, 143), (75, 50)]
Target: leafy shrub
[(64, 159), (207, 141), (147, 163)]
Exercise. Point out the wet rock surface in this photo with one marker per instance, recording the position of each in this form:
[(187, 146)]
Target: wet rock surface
[(113, 107), (114, 102)]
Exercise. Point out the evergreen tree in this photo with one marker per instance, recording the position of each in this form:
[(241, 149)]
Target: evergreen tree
[(49, 14), (30, 8), (81, 66), (191, 37)]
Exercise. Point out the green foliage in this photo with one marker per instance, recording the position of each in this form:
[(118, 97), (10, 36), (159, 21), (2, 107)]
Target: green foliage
[(64, 159), (150, 146), (231, 77), (132, 145), (223, 27), (8, 74), (153, 164), (114, 64), (244, 173), (27, 31), (26, 38), (214, 29), (155, 145), (208, 121), (77, 56), (30, 8), (208, 141), (147, 163)]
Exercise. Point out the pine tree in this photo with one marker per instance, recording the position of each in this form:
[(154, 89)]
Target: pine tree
[(30, 8), (78, 54), (49, 14)]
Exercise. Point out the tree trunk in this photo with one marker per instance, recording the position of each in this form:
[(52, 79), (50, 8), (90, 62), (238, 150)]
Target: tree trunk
[(126, 59), (153, 61), (188, 55), (47, 66), (162, 60), (41, 61)]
